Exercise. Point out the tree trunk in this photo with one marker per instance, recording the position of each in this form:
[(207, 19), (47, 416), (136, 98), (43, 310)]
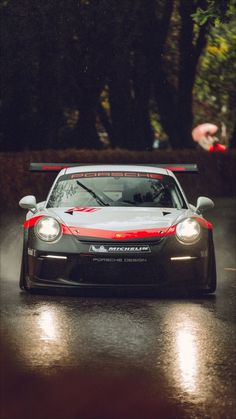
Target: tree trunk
[(50, 67), (85, 133), (143, 129), (175, 102), (121, 103)]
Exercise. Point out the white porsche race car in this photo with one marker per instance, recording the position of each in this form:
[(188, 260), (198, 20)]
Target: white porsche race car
[(117, 226)]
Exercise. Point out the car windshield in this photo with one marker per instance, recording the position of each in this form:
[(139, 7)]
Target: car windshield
[(116, 189)]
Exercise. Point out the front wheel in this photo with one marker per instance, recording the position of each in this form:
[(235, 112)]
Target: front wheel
[(212, 272), (22, 282)]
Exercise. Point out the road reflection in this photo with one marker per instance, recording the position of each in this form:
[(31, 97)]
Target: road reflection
[(193, 352), (94, 334), (173, 340), (43, 337), (187, 358), (47, 324)]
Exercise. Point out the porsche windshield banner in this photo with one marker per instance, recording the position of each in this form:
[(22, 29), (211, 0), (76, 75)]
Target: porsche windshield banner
[(116, 174)]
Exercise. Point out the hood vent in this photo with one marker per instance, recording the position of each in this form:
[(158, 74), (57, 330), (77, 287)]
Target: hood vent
[(69, 212), (165, 213)]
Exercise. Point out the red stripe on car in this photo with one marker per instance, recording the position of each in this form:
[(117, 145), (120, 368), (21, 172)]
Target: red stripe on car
[(32, 221), (176, 169), (108, 234), (119, 235), (82, 209), (204, 223), (53, 167)]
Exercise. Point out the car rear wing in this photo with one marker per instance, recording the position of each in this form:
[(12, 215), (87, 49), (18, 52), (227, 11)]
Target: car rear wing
[(51, 167), (56, 167)]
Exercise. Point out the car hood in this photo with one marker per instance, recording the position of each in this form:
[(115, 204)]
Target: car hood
[(119, 218)]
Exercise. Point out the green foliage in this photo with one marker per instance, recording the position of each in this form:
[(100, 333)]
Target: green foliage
[(215, 91), (73, 68), (217, 10)]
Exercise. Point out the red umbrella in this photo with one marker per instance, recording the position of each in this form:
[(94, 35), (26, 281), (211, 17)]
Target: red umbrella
[(203, 130)]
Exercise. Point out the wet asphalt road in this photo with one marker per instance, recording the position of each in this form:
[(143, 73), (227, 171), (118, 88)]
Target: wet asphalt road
[(71, 357)]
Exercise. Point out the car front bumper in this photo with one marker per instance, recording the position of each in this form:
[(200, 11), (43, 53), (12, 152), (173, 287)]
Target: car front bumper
[(70, 263)]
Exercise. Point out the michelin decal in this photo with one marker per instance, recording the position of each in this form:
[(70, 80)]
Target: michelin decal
[(119, 249)]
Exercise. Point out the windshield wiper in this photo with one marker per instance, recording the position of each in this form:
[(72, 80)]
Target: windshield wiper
[(94, 195)]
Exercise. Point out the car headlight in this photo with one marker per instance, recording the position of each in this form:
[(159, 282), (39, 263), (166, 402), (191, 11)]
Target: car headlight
[(48, 229), (188, 231)]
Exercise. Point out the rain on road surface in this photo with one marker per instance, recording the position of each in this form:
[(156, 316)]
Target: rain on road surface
[(115, 356)]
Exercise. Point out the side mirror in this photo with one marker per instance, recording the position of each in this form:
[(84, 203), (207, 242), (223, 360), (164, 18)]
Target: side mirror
[(28, 202), (204, 203)]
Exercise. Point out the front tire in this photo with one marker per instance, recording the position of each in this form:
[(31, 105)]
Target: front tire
[(212, 272), (22, 281)]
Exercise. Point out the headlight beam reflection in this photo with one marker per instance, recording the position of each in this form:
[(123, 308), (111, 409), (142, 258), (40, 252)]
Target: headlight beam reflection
[(187, 356), (47, 326)]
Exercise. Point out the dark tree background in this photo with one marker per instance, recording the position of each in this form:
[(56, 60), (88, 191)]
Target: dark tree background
[(72, 69)]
